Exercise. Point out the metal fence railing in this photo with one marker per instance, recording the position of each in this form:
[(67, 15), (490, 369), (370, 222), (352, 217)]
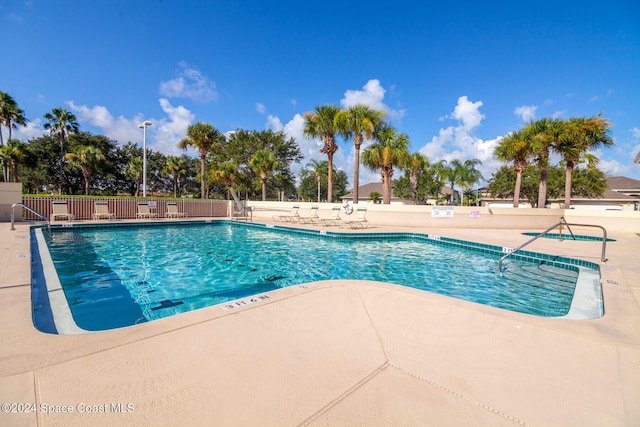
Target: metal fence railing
[(84, 208)]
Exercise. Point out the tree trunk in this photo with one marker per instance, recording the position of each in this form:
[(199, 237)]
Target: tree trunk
[(386, 186), (357, 142), (567, 185), (516, 191), (542, 189), (330, 179), (202, 176)]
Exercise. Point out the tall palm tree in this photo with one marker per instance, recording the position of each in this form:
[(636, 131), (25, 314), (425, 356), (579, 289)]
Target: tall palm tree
[(10, 114), (470, 176), (86, 158), (581, 135), (205, 138), (176, 168), (61, 122), (546, 131), (517, 147), (392, 149), (416, 165), (12, 154), (358, 122), (322, 124), (263, 163)]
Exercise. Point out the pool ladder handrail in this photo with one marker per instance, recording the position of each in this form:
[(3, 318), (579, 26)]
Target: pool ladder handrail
[(13, 208), (560, 224)]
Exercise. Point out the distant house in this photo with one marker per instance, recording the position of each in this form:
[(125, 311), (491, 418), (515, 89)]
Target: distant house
[(622, 193), (364, 194)]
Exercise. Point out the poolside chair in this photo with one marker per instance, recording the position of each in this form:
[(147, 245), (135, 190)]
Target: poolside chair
[(334, 219), (172, 211), (61, 210), (312, 218), (292, 217), (102, 211), (360, 221), (144, 212)]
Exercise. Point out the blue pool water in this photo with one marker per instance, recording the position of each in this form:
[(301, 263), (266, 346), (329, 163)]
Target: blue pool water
[(120, 276)]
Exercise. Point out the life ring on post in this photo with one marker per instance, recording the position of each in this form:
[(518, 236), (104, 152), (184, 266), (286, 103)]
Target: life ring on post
[(347, 208)]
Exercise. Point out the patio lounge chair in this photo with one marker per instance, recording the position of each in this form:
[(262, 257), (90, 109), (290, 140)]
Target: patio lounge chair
[(292, 217), (172, 211), (360, 221), (61, 210), (102, 211), (334, 219), (312, 218), (144, 212)]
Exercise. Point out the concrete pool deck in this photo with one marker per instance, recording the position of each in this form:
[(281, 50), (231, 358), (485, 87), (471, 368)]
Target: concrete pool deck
[(339, 353)]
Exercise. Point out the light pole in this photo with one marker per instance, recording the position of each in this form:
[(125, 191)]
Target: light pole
[(144, 125)]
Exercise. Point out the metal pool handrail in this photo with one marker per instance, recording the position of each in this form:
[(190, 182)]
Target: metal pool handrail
[(561, 223), (13, 207)]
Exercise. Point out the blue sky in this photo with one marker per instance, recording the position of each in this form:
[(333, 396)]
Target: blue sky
[(454, 77)]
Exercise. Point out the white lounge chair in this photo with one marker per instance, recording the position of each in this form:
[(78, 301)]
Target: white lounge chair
[(360, 221), (292, 217), (102, 211), (61, 210), (144, 212), (312, 218), (334, 219), (172, 211)]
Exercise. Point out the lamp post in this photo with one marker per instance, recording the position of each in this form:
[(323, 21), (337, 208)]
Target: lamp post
[(144, 125)]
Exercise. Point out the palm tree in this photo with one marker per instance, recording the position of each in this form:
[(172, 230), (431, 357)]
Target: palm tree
[(61, 122), (263, 163), (470, 175), (546, 131), (322, 124), (205, 138), (318, 169), (517, 147), (581, 135), (226, 174), (416, 165), (453, 173), (12, 154), (358, 122), (176, 168), (10, 114), (86, 158), (392, 149), (134, 171)]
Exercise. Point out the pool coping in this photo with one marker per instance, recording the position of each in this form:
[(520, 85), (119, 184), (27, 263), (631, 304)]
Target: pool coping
[(587, 301)]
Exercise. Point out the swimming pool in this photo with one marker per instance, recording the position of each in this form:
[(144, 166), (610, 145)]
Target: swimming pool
[(113, 275)]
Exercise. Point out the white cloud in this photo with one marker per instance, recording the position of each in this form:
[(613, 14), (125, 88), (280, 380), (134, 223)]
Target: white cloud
[(460, 141), (274, 123), (163, 135), (558, 114), (121, 129), (260, 108), (526, 112), (372, 95), (635, 132), (33, 129), (190, 83)]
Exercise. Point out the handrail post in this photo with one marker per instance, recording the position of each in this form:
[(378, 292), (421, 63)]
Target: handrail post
[(545, 232), (13, 211)]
